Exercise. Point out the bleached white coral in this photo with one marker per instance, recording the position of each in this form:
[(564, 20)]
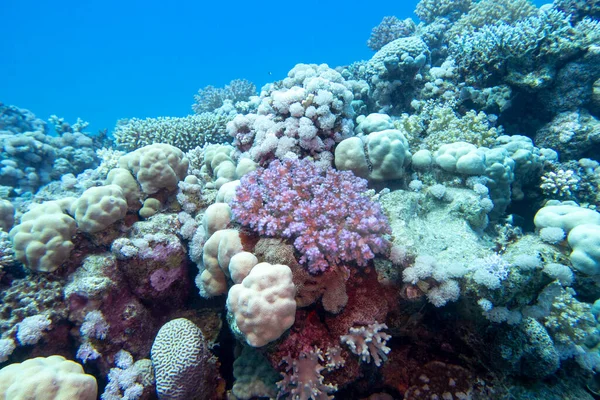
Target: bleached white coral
[(87, 352), (128, 379), (30, 330), (368, 342), (94, 325)]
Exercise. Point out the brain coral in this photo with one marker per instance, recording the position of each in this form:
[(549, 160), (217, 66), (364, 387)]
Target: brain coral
[(184, 367)]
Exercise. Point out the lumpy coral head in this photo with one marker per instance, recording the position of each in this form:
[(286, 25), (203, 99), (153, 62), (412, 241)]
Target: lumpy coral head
[(327, 213)]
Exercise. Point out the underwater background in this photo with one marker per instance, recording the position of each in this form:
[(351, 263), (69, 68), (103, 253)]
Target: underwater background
[(103, 61), (300, 200)]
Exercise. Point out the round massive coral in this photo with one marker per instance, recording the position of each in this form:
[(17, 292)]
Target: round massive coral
[(47, 378), (263, 305), (42, 241), (305, 114), (326, 213)]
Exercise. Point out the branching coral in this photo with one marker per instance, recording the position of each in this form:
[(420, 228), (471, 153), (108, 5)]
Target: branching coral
[(30, 157), (303, 379), (492, 12), (368, 343), (560, 183), (440, 125), (579, 8), (522, 48), (184, 133), (210, 98), (390, 28), (326, 213), (429, 10)]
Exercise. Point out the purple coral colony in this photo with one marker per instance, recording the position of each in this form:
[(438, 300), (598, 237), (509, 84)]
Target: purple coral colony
[(420, 225)]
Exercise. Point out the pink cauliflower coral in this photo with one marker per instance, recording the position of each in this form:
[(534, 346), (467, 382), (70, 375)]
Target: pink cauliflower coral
[(327, 213)]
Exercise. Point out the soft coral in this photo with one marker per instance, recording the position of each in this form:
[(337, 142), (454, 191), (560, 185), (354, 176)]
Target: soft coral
[(327, 213)]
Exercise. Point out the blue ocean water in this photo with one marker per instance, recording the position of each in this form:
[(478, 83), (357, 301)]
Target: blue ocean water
[(106, 60)]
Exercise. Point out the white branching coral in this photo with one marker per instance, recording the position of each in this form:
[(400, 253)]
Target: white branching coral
[(368, 342)]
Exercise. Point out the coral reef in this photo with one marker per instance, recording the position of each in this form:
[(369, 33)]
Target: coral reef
[(31, 157), (390, 29), (423, 224), (183, 365), (305, 114)]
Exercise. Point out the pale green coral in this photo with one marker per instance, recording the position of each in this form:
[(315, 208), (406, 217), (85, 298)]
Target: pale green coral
[(446, 126), (184, 133), (569, 322), (489, 12), (429, 10)]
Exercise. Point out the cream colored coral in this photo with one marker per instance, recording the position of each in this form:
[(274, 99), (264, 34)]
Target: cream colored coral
[(263, 305), (7, 215), (219, 166), (157, 166), (217, 216), (42, 241), (47, 378), (99, 207), (218, 250), (151, 207), (123, 178), (227, 191)]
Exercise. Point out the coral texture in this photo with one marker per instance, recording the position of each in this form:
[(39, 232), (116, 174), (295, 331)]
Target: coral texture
[(182, 132), (327, 214), (305, 114), (184, 367), (47, 378), (390, 28), (263, 304), (211, 98)]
